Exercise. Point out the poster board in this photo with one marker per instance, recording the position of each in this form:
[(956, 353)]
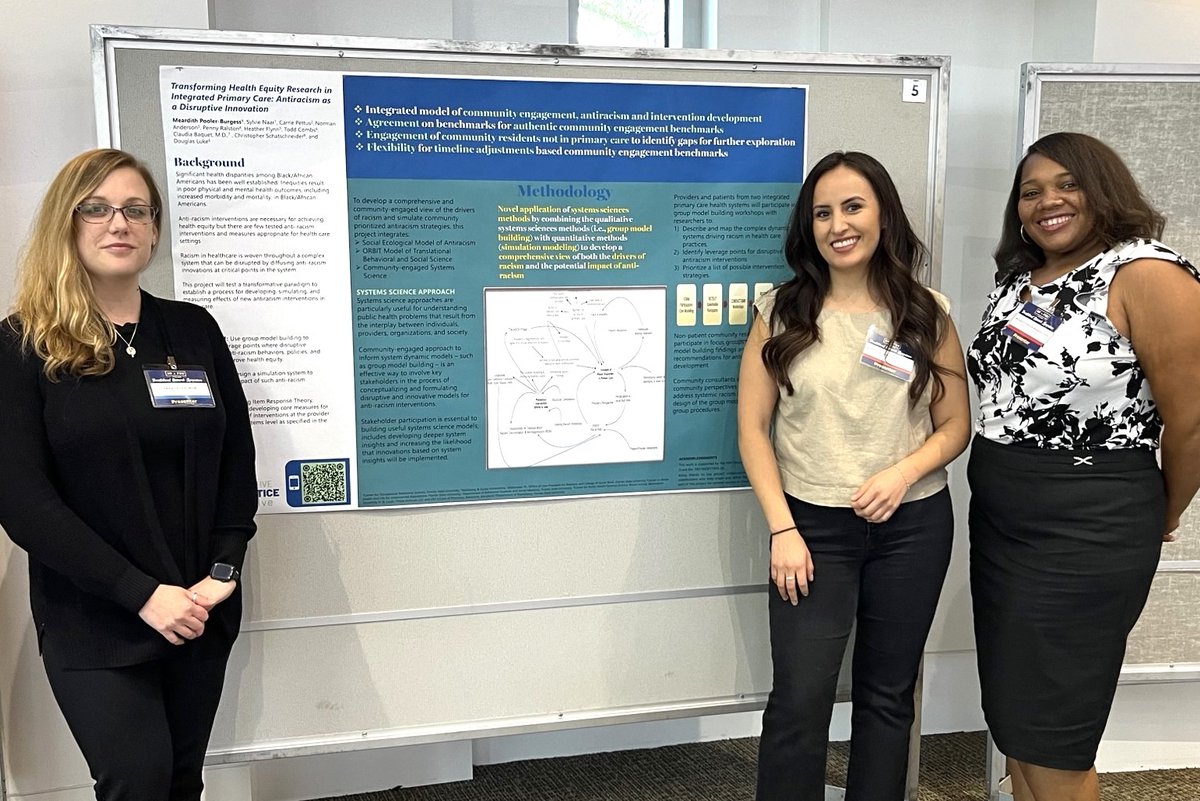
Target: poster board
[(428, 623), (1148, 114)]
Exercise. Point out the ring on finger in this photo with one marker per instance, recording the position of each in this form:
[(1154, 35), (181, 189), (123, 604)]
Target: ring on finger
[(790, 580)]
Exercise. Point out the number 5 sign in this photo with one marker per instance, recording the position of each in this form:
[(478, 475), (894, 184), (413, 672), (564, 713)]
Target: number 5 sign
[(914, 90)]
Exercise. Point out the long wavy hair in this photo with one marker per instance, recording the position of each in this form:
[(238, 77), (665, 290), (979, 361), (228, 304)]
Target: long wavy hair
[(918, 322), (55, 308), (1119, 209)]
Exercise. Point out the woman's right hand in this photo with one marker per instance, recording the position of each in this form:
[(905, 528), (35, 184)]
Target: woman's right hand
[(791, 566), (172, 612)]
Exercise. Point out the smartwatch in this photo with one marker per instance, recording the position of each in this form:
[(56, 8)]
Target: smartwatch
[(224, 572)]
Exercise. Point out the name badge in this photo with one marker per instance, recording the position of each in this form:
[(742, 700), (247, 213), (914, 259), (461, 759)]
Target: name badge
[(181, 388), (1032, 326), (895, 360)]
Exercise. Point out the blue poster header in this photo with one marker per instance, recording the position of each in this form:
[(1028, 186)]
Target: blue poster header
[(482, 129)]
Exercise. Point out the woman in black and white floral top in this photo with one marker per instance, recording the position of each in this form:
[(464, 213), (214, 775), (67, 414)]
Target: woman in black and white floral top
[(1085, 364)]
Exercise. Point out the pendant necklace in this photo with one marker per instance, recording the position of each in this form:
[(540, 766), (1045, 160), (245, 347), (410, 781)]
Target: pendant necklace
[(129, 348)]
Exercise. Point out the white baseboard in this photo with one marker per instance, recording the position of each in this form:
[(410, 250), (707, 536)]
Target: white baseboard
[(65, 794), (950, 701), (621, 737), (1121, 756), (1152, 727), (950, 704), (228, 783), (322, 776)]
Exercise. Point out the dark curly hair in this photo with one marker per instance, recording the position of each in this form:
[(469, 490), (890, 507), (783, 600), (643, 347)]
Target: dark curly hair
[(1119, 209), (917, 320)]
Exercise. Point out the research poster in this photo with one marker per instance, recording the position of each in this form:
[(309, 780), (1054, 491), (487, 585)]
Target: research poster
[(448, 289)]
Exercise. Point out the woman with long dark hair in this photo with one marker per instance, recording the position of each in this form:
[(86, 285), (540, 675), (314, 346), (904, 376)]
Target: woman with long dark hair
[(851, 401), (1085, 364), (128, 478)]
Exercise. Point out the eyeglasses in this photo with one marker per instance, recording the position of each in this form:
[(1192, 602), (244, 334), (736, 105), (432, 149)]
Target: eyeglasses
[(138, 214)]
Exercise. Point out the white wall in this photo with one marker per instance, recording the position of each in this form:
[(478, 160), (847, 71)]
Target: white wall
[(46, 92), (518, 21), (398, 19), (48, 116), (1148, 31), (1150, 726), (770, 25)]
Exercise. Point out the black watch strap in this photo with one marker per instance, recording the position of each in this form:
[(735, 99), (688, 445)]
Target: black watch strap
[(222, 571)]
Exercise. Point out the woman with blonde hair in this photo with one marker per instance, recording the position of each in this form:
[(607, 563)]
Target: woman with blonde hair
[(129, 480)]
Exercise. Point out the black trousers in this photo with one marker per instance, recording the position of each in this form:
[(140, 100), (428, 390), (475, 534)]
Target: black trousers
[(143, 729), (886, 578)]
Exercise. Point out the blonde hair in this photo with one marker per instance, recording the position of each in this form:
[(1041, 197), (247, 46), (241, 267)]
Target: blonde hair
[(60, 320)]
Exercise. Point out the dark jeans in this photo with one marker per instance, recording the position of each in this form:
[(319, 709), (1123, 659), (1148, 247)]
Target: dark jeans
[(143, 729), (886, 578)]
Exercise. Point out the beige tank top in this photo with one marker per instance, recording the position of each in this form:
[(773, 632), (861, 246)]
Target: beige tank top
[(846, 421)]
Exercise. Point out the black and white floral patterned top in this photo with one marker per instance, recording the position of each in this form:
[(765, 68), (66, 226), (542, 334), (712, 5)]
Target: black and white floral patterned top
[(1084, 388)]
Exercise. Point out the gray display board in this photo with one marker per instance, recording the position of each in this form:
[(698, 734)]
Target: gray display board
[(1149, 114), (374, 628)]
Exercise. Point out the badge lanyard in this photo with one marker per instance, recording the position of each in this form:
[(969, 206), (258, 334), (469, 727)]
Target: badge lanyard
[(175, 386), (892, 358), (1031, 326)]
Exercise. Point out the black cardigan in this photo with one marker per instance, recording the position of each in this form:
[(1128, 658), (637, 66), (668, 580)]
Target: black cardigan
[(83, 459)]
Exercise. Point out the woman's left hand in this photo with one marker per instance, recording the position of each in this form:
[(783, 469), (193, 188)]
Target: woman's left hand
[(880, 495), (210, 592), (1169, 534)]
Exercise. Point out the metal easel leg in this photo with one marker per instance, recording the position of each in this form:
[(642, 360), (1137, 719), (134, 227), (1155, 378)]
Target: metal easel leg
[(914, 738), (997, 771)]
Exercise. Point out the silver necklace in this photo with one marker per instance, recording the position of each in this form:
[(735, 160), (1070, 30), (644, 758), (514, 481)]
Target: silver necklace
[(129, 348)]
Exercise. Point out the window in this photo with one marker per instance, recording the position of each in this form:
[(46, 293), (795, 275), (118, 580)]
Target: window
[(620, 23)]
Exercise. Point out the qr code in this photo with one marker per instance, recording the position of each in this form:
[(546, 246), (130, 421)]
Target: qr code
[(323, 482)]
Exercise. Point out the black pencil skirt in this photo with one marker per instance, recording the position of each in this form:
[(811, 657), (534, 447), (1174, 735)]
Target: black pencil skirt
[(1064, 545)]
